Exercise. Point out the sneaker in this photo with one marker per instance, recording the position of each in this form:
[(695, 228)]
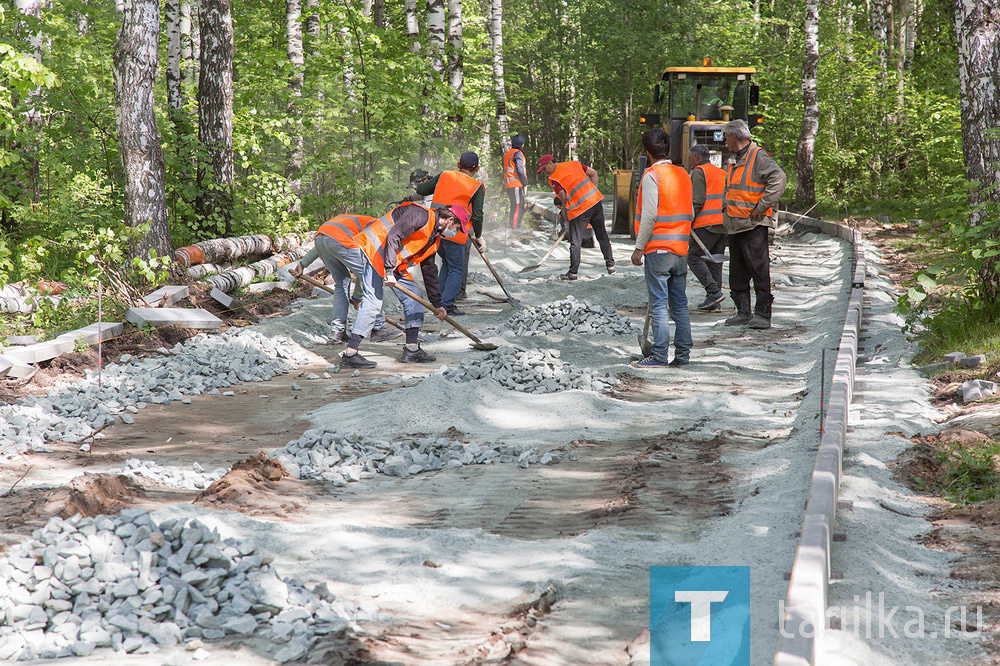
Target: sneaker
[(356, 361), (611, 269), (454, 311), (678, 362), (461, 296), (384, 333), (337, 338), (569, 277), (650, 362), (712, 302), (417, 356)]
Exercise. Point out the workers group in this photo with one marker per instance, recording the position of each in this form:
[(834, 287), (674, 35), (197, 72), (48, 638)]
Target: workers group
[(731, 207)]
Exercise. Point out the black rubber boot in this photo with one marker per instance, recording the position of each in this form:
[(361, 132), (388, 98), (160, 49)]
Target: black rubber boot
[(762, 313), (742, 316)]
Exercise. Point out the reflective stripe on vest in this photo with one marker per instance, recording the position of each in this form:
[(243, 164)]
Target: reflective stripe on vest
[(416, 246), (343, 228), (715, 187), (743, 194), (455, 187), (672, 228), (581, 194), (510, 177)]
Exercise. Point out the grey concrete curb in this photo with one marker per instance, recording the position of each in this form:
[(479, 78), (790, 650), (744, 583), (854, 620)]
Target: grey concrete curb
[(805, 607)]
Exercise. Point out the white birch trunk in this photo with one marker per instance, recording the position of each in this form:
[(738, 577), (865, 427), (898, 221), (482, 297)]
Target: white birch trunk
[(195, 41), (135, 63), (412, 24), (494, 28), (435, 36), (293, 165), (83, 19), (977, 28), (880, 32), (805, 181), (215, 114), (172, 17), (456, 74)]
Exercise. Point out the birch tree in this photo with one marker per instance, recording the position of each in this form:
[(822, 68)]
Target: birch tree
[(880, 32), (135, 62), (494, 28), (977, 27), (456, 74), (805, 151), (215, 114), (412, 24), (293, 164), (435, 36)]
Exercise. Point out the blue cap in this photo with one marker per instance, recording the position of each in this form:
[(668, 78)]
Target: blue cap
[(469, 159)]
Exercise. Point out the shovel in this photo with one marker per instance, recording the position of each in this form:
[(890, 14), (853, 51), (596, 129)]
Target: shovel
[(645, 346), (709, 257), (389, 320), (554, 246), (476, 342), (510, 299)]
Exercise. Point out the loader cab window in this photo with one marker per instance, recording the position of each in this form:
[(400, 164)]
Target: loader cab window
[(702, 95)]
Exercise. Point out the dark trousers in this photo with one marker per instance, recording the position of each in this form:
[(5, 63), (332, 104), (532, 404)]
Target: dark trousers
[(516, 197), (594, 216), (709, 274), (750, 259)]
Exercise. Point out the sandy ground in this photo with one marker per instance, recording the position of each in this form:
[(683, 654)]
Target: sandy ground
[(704, 465)]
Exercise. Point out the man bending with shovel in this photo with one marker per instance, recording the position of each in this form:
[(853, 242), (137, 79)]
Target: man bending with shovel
[(663, 217), (408, 235)]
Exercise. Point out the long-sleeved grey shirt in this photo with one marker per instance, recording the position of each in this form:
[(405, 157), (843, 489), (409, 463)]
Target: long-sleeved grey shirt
[(522, 175), (407, 220)]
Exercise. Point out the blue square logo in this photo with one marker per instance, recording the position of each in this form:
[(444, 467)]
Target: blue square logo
[(699, 616)]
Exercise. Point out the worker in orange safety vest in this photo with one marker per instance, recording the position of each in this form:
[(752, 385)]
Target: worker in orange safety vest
[(515, 179), (708, 184)]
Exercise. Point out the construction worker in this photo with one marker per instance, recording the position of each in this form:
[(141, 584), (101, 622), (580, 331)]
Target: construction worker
[(456, 188), (515, 179), (582, 203), (336, 246), (708, 183), (754, 183), (662, 222), (407, 235)]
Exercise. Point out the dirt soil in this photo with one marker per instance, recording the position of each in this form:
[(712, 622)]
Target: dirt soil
[(258, 485)]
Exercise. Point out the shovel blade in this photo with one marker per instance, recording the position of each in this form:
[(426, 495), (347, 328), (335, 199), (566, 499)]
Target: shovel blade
[(529, 268), (483, 346)]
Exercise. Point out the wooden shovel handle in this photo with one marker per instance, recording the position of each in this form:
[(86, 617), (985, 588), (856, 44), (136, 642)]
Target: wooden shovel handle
[(466, 332)]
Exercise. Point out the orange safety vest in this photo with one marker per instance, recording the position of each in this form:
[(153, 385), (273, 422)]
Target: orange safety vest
[(416, 247), (343, 228), (742, 194), (455, 187), (581, 194), (673, 212), (715, 188), (510, 177)]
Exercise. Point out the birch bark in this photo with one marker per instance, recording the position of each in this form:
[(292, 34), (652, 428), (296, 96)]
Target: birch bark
[(805, 151), (215, 115)]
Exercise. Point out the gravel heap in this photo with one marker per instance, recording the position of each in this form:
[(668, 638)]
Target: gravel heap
[(176, 477), (340, 458), (130, 584), (570, 316), (201, 364), (529, 371)]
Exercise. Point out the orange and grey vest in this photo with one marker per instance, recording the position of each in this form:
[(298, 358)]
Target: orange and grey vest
[(510, 177), (715, 188), (673, 212), (742, 193), (581, 193), (455, 187), (416, 247), (343, 228)]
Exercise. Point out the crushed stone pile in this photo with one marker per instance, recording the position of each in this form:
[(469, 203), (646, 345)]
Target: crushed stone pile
[(529, 371), (570, 316), (340, 458), (128, 583), (195, 478), (201, 364)]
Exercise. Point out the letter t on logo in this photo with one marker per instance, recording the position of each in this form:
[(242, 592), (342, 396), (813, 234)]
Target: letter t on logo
[(701, 610)]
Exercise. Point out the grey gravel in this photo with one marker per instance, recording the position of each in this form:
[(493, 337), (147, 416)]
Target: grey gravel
[(529, 371), (195, 478), (570, 316), (128, 583)]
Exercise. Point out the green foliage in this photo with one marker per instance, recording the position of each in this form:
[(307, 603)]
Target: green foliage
[(968, 472)]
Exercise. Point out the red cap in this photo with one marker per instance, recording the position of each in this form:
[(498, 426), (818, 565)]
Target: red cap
[(463, 216), (543, 160)]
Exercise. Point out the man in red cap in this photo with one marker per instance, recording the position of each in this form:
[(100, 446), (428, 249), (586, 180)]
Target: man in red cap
[(408, 235), (575, 185)]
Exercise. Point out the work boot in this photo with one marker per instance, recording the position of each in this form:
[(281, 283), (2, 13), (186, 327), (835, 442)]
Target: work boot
[(416, 356), (742, 316), (711, 302), (356, 361), (454, 311), (337, 338), (385, 333), (611, 269), (762, 314), (569, 277)]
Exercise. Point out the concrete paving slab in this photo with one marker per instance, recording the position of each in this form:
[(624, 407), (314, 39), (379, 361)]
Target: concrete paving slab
[(165, 296), (41, 351), (22, 340), (221, 296), (14, 369), (189, 317), (96, 332), (259, 287)]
